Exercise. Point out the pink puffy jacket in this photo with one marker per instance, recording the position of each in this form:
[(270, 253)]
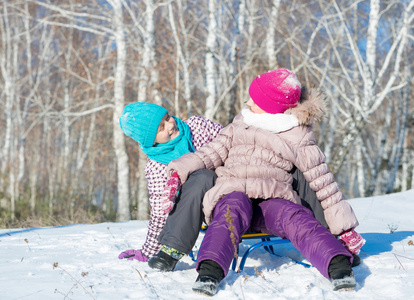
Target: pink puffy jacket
[(258, 162)]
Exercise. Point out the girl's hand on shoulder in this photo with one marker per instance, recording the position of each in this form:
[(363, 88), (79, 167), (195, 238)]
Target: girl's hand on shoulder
[(170, 192)]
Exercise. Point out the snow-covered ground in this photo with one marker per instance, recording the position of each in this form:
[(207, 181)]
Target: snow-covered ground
[(80, 262)]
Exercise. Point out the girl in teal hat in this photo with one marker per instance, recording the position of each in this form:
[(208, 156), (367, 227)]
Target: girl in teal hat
[(164, 138)]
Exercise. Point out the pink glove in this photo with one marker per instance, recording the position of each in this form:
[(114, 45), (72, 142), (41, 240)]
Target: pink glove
[(133, 254), (352, 241), (170, 192)]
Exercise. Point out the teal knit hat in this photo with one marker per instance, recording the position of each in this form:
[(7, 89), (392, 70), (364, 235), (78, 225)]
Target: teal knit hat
[(140, 121)]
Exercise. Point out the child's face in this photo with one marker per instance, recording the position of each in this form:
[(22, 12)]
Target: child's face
[(254, 108), (167, 130)]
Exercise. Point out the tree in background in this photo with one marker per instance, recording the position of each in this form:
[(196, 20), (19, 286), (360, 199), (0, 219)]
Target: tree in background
[(68, 68)]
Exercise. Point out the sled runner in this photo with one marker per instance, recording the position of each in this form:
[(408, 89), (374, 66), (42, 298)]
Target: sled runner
[(267, 241)]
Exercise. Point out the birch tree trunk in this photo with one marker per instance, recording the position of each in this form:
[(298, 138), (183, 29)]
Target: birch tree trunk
[(400, 137), (67, 101), (405, 161), (251, 28), (33, 174), (270, 35), (360, 168), (6, 65), (210, 66), (232, 105), (12, 180), (184, 62), (376, 164), (185, 59), (405, 168), (241, 24), (412, 179), (251, 35), (148, 59), (123, 213), (330, 136), (148, 63)]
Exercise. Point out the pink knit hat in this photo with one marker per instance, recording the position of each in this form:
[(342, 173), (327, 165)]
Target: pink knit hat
[(275, 91)]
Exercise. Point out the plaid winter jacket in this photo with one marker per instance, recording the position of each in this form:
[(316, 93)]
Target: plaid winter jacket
[(203, 131)]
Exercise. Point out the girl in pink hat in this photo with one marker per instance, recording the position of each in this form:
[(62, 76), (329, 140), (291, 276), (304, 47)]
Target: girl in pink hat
[(254, 157)]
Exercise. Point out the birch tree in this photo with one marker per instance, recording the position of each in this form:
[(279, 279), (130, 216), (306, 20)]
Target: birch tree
[(148, 63), (64, 169), (7, 75), (148, 68), (123, 213), (182, 57), (209, 62), (372, 95), (363, 78), (270, 35)]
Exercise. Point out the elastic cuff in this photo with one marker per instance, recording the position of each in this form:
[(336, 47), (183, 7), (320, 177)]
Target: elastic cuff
[(174, 253)]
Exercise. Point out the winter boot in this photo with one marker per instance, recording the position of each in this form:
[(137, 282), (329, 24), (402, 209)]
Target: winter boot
[(209, 278), (341, 274), (166, 259), (356, 261)]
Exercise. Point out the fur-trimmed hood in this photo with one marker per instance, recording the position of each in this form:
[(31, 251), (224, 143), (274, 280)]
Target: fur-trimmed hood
[(311, 107)]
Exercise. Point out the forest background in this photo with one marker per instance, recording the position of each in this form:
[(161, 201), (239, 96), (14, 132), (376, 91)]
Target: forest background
[(68, 68)]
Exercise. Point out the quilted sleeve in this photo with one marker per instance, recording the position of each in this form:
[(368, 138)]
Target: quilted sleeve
[(156, 175), (210, 156), (311, 161)]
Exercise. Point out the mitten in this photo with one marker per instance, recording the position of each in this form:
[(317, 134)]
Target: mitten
[(170, 192), (352, 241), (133, 254)]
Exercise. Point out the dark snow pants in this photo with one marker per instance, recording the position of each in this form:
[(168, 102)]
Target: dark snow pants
[(308, 196), (184, 222), (235, 214)]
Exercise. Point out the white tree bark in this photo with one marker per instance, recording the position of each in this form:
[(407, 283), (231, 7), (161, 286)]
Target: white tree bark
[(330, 136), (65, 169), (360, 168), (237, 90), (401, 130), (251, 28), (149, 75), (270, 35), (148, 68), (6, 65), (241, 24), (405, 168), (372, 38), (180, 58), (382, 139), (12, 189), (209, 64), (123, 213), (412, 174)]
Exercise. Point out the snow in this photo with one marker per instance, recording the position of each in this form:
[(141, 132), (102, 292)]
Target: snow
[(80, 262), (291, 82)]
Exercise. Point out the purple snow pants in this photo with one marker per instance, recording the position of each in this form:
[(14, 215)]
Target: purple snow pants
[(278, 217)]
